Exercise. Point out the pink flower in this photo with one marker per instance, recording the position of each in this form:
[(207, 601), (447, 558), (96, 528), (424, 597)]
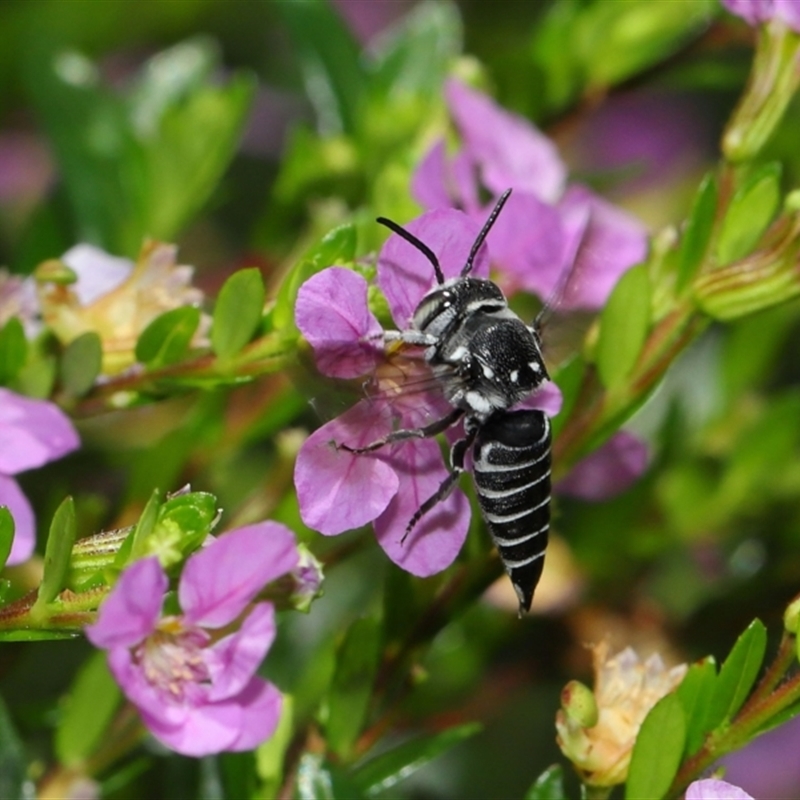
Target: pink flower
[(609, 470), (545, 227), (338, 490), (32, 433), (755, 12), (715, 790), (194, 685)]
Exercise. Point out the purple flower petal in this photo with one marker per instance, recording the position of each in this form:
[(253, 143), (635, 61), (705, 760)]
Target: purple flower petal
[(437, 538), (612, 242), (233, 661), (429, 181), (608, 471), (32, 432), (337, 490), (98, 272), (510, 151), (261, 705), (220, 580), (332, 314), (13, 498), (207, 729), (405, 275), (527, 242), (547, 398), (715, 790), (143, 694), (789, 12), (130, 613), (752, 11)]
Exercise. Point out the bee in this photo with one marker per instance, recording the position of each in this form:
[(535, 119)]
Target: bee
[(485, 360)]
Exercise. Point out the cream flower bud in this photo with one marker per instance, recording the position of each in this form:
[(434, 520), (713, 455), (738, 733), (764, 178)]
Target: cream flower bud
[(116, 298), (626, 688)]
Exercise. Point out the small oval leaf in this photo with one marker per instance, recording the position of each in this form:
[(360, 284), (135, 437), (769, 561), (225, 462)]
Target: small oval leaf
[(13, 350), (695, 692), (389, 768), (81, 363), (751, 209), (167, 338), (352, 684), (549, 785), (697, 233), (6, 534), (57, 552), (738, 673), (657, 752), (624, 323), (87, 711), (238, 312)]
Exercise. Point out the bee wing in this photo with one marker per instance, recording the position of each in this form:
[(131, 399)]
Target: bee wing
[(398, 377)]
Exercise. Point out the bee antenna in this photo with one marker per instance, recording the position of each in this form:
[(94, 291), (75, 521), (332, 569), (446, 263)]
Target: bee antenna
[(421, 246), (485, 232)]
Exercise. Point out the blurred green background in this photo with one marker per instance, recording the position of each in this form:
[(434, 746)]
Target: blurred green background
[(635, 94)]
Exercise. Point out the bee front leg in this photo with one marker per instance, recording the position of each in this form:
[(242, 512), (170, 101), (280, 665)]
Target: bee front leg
[(426, 432)]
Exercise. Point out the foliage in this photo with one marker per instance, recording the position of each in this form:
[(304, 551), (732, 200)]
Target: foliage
[(127, 127)]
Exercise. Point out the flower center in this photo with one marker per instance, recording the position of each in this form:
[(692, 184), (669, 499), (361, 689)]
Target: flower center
[(172, 657)]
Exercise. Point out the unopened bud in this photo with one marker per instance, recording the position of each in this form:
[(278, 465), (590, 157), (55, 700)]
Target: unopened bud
[(791, 617), (579, 704)]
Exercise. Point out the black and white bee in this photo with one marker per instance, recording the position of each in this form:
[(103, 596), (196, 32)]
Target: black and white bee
[(486, 360)]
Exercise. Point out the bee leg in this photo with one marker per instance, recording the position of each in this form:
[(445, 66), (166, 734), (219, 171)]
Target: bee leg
[(433, 429), (409, 337), (457, 454)]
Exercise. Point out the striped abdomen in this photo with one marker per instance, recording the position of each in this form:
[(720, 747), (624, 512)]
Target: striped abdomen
[(511, 467)]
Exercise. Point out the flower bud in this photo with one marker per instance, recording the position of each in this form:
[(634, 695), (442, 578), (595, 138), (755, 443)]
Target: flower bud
[(578, 703), (791, 617), (597, 731)]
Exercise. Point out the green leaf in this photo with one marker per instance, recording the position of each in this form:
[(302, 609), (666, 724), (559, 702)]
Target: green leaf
[(57, 552), (81, 363), (140, 533), (753, 206), (697, 233), (416, 54), (319, 780), (695, 693), (330, 60), (6, 534), (187, 126), (167, 338), (238, 312), (142, 163), (657, 751), (624, 323), (351, 688), (620, 39), (555, 56), (336, 247), (87, 711), (549, 785), (271, 754), (389, 768), (190, 517), (36, 636), (738, 673), (14, 781), (13, 350)]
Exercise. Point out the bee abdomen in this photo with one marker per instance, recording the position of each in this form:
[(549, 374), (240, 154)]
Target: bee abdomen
[(511, 467)]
